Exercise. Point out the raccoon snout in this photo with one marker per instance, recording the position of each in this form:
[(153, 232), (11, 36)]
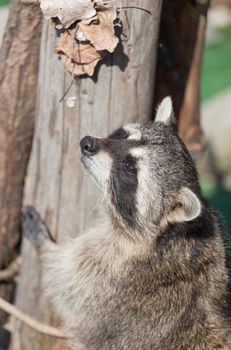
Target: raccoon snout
[(89, 145)]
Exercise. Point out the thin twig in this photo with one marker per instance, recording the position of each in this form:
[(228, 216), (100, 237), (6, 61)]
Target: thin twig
[(67, 90), (39, 327), (137, 8), (29, 2), (127, 37), (11, 271)]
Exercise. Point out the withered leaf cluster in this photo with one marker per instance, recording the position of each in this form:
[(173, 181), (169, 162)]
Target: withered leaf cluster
[(87, 32)]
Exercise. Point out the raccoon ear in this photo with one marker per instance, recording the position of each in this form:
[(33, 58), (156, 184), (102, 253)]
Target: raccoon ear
[(188, 206), (164, 112)]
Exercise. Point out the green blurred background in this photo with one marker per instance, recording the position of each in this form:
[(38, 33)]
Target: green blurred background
[(216, 89), (4, 2), (216, 73)]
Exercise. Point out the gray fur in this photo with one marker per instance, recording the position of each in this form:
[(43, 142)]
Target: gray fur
[(154, 275)]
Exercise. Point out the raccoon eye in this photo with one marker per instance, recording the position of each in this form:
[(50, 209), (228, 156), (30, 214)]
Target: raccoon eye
[(130, 165), (119, 134)]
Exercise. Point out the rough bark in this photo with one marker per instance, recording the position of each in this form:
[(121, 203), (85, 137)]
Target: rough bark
[(18, 82), (121, 92), (189, 121)]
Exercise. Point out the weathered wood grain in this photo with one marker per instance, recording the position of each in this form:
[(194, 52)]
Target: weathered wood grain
[(56, 186), (18, 86)]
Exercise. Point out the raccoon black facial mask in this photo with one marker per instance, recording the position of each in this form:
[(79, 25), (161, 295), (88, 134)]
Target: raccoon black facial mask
[(147, 172)]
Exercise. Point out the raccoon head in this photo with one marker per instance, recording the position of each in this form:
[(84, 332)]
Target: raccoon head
[(147, 173)]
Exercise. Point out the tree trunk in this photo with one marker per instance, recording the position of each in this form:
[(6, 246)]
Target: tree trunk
[(189, 122), (121, 92), (18, 84), (179, 61)]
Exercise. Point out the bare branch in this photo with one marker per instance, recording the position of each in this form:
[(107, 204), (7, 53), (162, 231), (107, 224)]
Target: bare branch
[(11, 271), (29, 2), (39, 327)]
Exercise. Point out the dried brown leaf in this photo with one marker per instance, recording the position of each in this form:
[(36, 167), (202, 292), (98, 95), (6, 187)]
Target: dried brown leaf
[(90, 20), (68, 11), (101, 33), (78, 58)]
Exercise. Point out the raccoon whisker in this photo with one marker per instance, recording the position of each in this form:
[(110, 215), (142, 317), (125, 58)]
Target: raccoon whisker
[(98, 204), (101, 199)]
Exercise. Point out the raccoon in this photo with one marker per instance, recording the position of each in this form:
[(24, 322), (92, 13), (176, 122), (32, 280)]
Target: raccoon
[(153, 275)]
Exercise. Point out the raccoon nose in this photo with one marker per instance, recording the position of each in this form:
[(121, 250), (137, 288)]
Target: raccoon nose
[(89, 145)]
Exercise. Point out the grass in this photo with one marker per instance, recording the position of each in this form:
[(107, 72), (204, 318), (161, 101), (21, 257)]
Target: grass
[(216, 76), (4, 2), (216, 72)]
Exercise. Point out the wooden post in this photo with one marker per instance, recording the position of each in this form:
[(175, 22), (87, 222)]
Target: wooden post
[(18, 85), (121, 92)]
